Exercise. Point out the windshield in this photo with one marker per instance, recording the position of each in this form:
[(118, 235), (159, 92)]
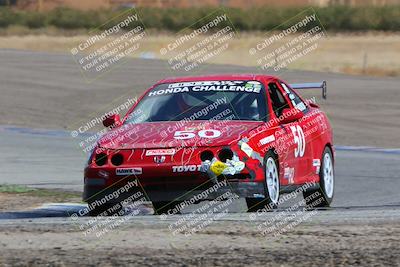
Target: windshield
[(202, 100)]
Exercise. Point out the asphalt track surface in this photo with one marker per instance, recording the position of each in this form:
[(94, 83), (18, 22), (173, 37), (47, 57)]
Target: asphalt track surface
[(51, 158)]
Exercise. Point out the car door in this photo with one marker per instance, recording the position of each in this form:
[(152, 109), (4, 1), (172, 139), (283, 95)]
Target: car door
[(302, 135), (284, 136)]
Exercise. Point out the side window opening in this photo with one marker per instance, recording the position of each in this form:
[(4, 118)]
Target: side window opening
[(278, 101), (294, 98)]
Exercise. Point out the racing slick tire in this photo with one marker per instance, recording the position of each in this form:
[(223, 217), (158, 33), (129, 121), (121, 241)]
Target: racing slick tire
[(162, 207), (271, 187), (323, 196)]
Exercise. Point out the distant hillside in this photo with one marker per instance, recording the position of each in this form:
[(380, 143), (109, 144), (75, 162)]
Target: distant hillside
[(45, 5)]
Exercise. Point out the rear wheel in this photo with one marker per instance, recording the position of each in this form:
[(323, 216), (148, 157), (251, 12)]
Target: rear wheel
[(323, 196), (271, 185)]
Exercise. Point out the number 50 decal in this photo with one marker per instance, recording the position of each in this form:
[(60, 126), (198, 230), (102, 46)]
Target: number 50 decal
[(299, 140), (203, 133)]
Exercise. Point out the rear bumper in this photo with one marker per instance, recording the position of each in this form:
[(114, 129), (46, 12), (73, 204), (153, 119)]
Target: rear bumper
[(213, 191)]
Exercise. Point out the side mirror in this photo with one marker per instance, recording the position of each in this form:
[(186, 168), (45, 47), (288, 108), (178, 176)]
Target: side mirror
[(112, 120), (290, 115)]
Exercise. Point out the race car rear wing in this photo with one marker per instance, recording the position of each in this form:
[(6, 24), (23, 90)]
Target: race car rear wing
[(320, 85)]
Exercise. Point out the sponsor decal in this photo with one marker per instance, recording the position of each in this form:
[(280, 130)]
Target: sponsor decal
[(267, 140), (249, 151), (208, 133), (289, 174), (253, 85), (299, 140), (218, 167), (317, 164), (236, 164), (186, 168), (246, 149), (206, 86), (160, 152), (128, 171)]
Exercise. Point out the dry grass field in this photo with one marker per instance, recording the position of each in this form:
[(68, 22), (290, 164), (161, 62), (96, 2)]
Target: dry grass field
[(374, 54)]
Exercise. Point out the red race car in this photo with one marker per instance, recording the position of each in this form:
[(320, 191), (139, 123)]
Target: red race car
[(201, 138)]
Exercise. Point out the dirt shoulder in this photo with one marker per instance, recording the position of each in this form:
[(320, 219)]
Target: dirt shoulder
[(336, 237), (34, 198), (224, 243)]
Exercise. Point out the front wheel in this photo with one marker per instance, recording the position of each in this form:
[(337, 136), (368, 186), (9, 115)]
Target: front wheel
[(323, 196), (271, 185)]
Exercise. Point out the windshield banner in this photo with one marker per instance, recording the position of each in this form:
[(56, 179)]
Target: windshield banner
[(205, 86)]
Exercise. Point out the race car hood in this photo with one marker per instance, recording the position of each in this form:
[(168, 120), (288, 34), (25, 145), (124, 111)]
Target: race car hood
[(176, 134)]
